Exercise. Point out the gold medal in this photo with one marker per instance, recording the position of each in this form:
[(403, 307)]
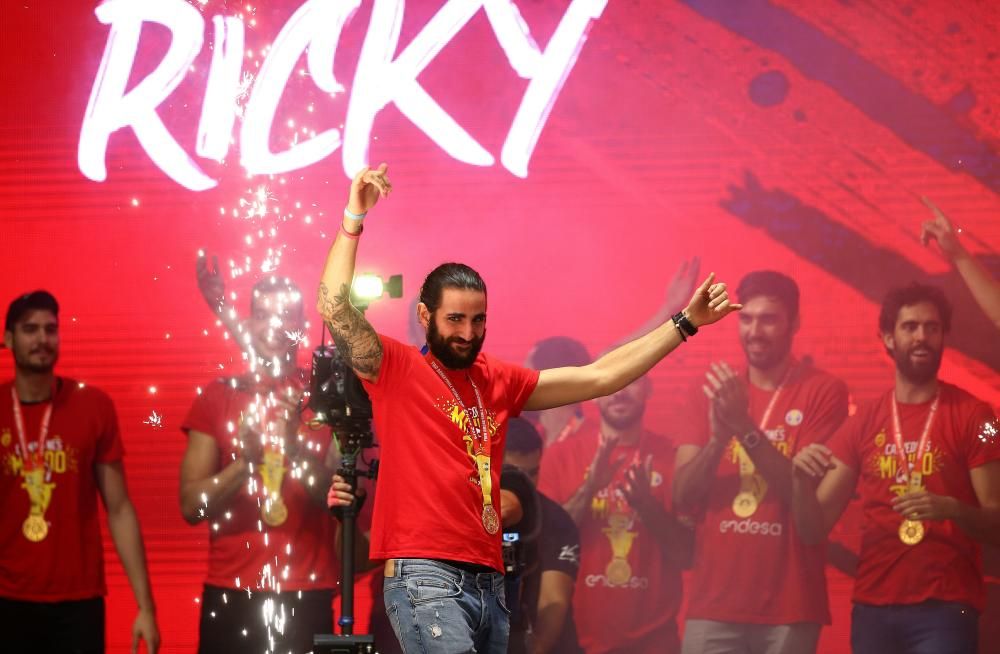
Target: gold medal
[(745, 504), (491, 521), (911, 532), (274, 513), (618, 572), (35, 528)]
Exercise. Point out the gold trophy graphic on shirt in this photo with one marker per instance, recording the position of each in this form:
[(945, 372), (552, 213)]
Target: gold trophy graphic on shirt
[(911, 532), (618, 570), (35, 528), (753, 487), (272, 472)]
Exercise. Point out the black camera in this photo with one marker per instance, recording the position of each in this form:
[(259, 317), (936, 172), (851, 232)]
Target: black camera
[(337, 398)]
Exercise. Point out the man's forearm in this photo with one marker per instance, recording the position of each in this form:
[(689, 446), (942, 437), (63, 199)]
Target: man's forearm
[(207, 498), (980, 524), (124, 528), (355, 339), (983, 287), (626, 363), (807, 512), (576, 505), (774, 466), (693, 481), (676, 539)]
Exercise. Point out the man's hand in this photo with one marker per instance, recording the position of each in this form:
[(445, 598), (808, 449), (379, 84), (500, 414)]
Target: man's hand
[(729, 397), (210, 282), (941, 230), (250, 442), (144, 628), (710, 303), (366, 189), (340, 494), (812, 462), (637, 483), (601, 469), (921, 505)]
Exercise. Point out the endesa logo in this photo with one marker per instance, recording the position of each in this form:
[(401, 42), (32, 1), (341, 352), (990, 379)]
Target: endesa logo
[(752, 527)]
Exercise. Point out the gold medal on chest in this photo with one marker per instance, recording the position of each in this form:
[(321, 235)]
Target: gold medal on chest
[(911, 532), (35, 528)]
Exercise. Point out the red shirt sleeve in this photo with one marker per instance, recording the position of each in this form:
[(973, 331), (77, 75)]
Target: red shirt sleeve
[(207, 410), (844, 442), (109, 445), (520, 384), (830, 412), (396, 361)]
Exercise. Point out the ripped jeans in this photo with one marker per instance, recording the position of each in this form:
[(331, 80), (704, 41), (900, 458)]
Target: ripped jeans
[(437, 608)]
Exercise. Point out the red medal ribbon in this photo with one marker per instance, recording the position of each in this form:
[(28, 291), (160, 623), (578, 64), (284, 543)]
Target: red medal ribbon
[(38, 458)]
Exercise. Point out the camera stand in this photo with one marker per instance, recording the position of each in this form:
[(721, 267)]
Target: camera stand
[(354, 435)]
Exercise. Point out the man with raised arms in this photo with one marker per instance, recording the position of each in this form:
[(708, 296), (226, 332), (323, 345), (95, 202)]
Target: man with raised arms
[(441, 420), (926, 461)]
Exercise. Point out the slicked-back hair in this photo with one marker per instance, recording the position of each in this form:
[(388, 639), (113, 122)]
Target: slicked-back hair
[(905, 296), (770, 283), (522, 437), (449, 275)]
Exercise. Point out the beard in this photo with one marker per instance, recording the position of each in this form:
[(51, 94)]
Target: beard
[(441, 348), (917, 372), (770, 356), (623, 420), (24, 363)]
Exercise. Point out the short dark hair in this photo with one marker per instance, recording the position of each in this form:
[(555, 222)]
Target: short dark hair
[(771, 284), (34, 301), (905, 296), (449, 275), (559, 352), (273, 284), (522, 437)]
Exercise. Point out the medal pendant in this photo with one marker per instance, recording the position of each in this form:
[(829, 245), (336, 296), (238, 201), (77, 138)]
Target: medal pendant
[(745, 504), (35, 528), (911, 532), (275, 513), (618, 572), (491, 521)]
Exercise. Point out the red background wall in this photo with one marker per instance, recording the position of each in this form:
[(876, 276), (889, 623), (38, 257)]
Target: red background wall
[(788, 135)]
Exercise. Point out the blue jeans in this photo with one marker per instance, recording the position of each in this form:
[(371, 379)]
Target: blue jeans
[(931, 627), (437, 608)]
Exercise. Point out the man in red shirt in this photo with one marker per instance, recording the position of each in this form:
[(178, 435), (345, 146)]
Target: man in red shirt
[(927, 458), (755, 587), (260, 483), (60, 448), (441, 419), (614, 480)]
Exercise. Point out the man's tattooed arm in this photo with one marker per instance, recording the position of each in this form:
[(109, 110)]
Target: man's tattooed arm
[(354, 337)]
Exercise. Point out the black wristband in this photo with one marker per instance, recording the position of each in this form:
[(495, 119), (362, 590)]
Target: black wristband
[(684, 324)]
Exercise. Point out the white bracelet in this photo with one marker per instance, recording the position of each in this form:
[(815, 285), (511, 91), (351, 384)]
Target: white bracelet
[(354, 216)]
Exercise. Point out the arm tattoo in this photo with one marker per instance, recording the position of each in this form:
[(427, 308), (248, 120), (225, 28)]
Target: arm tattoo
[(354, 337)]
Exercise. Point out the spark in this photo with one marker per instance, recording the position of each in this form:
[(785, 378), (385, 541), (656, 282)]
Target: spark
[(154, 420)]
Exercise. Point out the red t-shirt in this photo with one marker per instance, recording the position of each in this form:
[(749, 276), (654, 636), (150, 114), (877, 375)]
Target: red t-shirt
[(244, 551), (68, 564), (429, 503), (755, 569), (638, 614), (946, 565)]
